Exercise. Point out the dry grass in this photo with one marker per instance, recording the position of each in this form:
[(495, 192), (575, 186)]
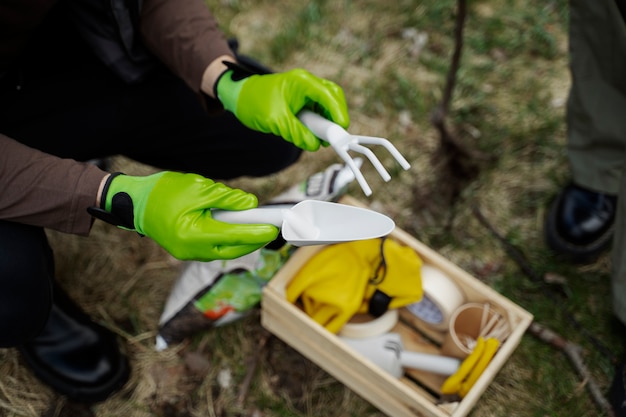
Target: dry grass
[(391, 58)]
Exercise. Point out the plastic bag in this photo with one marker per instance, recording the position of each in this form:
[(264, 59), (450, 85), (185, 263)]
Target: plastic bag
[(211, 294)]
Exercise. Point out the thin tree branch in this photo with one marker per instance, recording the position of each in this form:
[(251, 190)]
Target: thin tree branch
[(511, 250), (455, 62), (573, 353), (453, 160)]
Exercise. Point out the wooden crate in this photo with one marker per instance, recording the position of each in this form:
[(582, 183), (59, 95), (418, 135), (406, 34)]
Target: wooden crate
[(410, 396)]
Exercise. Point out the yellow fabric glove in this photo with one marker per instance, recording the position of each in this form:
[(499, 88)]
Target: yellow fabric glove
[(471, 368), (491, 347), (335, 284)]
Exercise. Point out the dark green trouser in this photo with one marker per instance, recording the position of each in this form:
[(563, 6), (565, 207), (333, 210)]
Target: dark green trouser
[(596, 116)]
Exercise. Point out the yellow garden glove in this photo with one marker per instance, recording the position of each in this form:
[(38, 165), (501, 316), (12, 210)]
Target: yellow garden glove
[(471, 368), (491, 347)]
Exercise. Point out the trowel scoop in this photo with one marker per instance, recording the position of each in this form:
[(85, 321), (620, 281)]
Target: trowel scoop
[(313, 222)]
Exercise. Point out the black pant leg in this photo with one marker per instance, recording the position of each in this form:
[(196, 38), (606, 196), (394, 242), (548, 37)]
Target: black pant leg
[(26, 273)]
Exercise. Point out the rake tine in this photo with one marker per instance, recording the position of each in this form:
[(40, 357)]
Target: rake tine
[(358, 175), (370, 155), (370, 140), (342, 141)]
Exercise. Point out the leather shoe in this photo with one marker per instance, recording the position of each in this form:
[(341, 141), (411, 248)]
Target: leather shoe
[(579, 225), (75, 356)]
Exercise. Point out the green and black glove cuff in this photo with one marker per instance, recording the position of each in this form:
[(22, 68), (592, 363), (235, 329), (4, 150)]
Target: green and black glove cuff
[(239, 71), (122, 210)]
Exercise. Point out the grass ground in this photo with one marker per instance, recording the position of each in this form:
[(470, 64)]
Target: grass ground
[(391, 58)]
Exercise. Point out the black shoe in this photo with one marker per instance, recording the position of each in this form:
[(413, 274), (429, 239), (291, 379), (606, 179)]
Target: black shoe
[(579, 225), (75, 356)]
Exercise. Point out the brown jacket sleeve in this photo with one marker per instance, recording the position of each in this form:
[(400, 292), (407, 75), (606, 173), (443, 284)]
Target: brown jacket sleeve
[(43, 190), (184, 35)]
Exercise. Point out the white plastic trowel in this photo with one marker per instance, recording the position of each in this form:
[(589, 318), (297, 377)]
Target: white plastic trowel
[(387, 351), (313, 222)]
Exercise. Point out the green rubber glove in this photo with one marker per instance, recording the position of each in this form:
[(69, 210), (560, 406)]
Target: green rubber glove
[(270, 103), (174, 210)]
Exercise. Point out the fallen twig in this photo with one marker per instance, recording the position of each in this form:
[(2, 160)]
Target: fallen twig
[(511, 250), (573, 353)]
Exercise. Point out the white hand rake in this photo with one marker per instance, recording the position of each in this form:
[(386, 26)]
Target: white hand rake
[(342, 142)]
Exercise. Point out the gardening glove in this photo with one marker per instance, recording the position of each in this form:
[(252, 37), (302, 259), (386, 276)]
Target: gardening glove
[(174, 210), (471, 368), (270, 103)]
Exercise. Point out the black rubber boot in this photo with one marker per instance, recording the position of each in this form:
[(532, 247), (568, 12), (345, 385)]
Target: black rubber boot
[(579, 225), (75, 356)]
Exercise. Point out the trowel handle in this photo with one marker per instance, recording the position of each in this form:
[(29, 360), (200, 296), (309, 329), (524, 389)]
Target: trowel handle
[(322, 127), (261, 215), (442, 365)]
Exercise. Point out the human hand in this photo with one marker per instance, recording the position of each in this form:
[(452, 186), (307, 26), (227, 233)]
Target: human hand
[(270, 103), (174, 210)]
